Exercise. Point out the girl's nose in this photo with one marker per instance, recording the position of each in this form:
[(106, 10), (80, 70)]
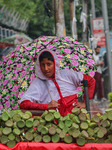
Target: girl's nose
[(46, 67)]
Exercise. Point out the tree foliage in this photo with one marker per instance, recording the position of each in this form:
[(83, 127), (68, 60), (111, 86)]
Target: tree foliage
[(26, 8), (41, 16), (43, 21)]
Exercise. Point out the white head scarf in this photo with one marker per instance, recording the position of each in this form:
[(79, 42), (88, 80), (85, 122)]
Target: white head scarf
[(56, 63)]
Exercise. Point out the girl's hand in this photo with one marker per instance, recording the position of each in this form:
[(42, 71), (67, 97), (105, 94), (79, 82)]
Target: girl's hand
[(80, 105), (53, 104)]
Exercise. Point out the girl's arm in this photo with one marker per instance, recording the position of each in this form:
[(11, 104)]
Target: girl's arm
[(91, 85), (27, 104)]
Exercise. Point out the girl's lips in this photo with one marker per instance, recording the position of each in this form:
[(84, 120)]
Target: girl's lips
[(46, 73)]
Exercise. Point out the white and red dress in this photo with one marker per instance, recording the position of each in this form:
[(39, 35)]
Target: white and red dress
[(62, 88)]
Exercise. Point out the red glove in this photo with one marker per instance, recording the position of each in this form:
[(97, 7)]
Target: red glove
[(26, 104), (91, 85)]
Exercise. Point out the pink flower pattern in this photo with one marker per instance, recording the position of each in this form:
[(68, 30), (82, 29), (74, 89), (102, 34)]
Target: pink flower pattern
[(1, 82), (31, 68), (29, 48), (67, 50), (10, 85), (50, 46), (9, 62), (92, 73), (23, 73), (75, 56), (32, 77), (19, 65), (7, 97), (7, 104), (14, 89), (26, 77), (1, 107), (5, 82), (75, 63), (7, 71), (1, 75), (21, 94)]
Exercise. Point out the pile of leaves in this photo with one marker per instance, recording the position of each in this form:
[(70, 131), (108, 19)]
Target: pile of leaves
[(110, 99), (78, 127)]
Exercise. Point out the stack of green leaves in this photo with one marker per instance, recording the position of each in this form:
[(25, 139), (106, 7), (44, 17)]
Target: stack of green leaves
[(16, 126)]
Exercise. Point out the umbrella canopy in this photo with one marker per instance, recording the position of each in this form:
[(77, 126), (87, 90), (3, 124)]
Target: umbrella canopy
[(17, 69)]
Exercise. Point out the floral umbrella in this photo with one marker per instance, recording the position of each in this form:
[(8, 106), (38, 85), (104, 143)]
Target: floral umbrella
[(17, 69)]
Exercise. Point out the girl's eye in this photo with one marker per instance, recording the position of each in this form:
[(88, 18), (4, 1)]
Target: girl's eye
[(48, 64), (42, 65)]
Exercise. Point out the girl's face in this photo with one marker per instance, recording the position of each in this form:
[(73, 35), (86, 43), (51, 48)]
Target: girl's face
[(47, 67)]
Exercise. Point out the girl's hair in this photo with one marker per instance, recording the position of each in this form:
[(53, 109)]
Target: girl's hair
[(46, 54)]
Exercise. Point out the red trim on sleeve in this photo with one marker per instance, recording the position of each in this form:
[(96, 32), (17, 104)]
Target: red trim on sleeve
[(26, 104), (91, 85)]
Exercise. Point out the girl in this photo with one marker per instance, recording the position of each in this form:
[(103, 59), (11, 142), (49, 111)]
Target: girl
[(54, 88)]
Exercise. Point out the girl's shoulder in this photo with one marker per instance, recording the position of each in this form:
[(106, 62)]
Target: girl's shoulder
[(70, 73), (36, 80), (67, 71)]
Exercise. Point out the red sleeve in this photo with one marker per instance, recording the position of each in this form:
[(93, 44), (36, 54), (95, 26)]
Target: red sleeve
[(91, 85), (26, 104)]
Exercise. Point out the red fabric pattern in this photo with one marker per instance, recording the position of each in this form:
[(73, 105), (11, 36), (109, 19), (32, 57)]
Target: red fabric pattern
[(66, 104), (26, 104), (91, 85), (57, 146)]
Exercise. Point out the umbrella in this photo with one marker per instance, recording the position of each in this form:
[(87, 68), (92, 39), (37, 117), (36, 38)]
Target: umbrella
[(17, 69)]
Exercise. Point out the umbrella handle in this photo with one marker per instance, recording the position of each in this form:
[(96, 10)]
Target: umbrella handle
[(85, 84)]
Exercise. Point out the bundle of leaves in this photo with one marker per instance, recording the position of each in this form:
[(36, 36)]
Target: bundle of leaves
[(17, 126), (110, 96), (110, 99)]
